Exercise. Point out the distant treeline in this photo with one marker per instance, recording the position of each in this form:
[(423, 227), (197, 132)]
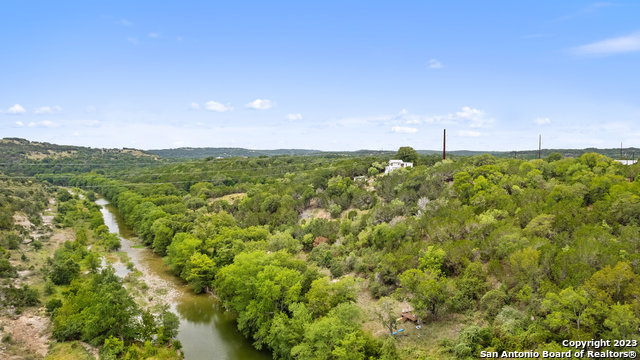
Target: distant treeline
[(17, 150)]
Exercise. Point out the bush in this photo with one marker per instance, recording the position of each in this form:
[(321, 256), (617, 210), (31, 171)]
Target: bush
[(337, 267), (49, 287), (335, 210), (111, 242), (11, 240), (493, 301), (6, 270), (24, 296), (112, 348), (52, 305)]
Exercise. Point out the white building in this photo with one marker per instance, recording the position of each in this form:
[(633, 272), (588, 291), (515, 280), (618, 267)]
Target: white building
[(627, 162), (397, 164)]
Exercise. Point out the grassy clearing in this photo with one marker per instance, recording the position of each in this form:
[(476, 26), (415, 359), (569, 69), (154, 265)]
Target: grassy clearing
[(68, 351), (415, 343), (230, 198), (425, 342)]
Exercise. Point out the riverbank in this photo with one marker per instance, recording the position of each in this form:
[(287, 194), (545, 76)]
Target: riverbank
[(206, 331)]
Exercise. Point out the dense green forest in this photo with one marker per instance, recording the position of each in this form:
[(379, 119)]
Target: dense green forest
[(317, 256)]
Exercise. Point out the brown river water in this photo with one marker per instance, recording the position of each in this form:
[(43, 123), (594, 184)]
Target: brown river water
[(206, 330)]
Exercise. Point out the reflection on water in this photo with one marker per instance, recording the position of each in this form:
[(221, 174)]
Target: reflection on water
[(206, 330)]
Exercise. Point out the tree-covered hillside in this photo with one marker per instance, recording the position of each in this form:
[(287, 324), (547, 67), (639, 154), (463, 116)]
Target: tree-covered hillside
[(318, 256), (499, 249), (24, 157)]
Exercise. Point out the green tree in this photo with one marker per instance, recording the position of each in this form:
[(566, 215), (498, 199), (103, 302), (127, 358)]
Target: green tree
[(162, 235), (554, 156), (427, 292), (168, 328), (111, 348), (199, 272), (408, 154), (180, 251), (327, 334), (621, 322), (566, 309), (286, 332), (386, 311)]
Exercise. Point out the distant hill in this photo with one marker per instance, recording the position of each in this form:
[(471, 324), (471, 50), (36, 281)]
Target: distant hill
[(17, 150), (614, 153), (29, 157), (198, 153)]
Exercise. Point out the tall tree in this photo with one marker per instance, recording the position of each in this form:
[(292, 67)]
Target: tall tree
[(407, 153)]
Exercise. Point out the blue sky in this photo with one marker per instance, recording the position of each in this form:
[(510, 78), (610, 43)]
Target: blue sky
[(330, 75)]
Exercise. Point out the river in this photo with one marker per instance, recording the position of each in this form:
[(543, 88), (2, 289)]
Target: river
[(206, 330)]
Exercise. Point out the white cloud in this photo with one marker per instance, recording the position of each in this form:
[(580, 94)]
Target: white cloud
[(19, 123), (404, 130), (216, 106), (90, 108), (260, 104), (179, 38), (132, 40), (16, 110), (47, 110), (542, 121), (477, 117), (469, 133), (45, 123), (617, 45), (435, 64), (154, 35), (294, 117), (194, 106)]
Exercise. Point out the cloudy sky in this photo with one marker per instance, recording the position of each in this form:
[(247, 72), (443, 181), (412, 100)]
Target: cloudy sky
[(330, 75)]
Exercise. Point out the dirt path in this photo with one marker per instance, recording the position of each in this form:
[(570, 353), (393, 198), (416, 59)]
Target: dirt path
[(27, 334)]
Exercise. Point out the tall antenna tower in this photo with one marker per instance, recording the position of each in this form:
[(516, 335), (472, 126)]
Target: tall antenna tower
[(444, 145), (540, 146)]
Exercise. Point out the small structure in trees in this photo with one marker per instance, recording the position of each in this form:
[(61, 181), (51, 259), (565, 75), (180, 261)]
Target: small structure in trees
[(409, 316), (320, 240), (397, 164), (627, 162)]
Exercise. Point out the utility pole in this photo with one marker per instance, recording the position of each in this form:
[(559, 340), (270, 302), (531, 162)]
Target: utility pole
[(540, 146), (444, 145)]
